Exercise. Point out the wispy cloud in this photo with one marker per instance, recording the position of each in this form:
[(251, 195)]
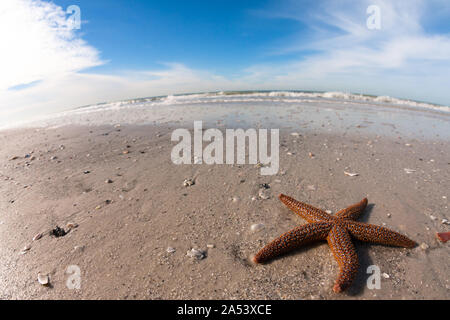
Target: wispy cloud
[(349, 55)]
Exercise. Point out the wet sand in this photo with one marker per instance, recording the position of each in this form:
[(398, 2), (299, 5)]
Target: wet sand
[(126, 225)]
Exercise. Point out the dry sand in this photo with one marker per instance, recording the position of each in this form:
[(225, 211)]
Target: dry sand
[(126, 226)]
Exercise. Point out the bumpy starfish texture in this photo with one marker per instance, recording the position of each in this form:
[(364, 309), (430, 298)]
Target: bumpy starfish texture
[(338, 231)]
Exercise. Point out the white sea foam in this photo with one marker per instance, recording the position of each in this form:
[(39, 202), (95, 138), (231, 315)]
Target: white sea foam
[(146, 110)]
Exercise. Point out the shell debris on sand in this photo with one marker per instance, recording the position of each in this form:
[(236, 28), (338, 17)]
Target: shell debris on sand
[(351, 174), (196, 254), (58, 232), (188, 182), (264, 194)]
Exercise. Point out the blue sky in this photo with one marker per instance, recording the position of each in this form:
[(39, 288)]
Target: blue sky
[(129, 48), (220, 36)]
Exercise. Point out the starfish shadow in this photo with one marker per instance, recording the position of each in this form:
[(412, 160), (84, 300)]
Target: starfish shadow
[(362, 250)]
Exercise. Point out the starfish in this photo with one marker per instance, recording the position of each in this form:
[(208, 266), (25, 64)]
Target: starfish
[(338, 230)]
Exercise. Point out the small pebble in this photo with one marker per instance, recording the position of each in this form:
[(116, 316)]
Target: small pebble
[(385, 275), (108, 181), (424, 246), (445, 221), (210, 246), (433, 218)]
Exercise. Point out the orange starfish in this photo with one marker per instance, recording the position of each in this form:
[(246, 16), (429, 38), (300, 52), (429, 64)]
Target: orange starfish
[(338, 230)]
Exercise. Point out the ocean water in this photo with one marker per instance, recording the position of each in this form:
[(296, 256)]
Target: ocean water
[(334, 112)]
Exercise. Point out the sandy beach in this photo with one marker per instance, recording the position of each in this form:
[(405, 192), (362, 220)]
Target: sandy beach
[(132, 221)]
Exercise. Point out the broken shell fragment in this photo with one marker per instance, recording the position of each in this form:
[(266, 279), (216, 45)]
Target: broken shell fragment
[(37, 237), (196, 254), (264, 194), (443, 236), (170, 250), (25, 249), (188, 182), (351, 174), (71, 225)]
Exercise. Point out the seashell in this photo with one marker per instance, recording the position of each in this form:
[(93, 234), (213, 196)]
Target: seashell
[(170, 250), (409, 170), (443, 236), (71, 225), (43, 279), (25, 249), (38, 236), (257, 227), (350, 174), (196, 254), (188, 182)]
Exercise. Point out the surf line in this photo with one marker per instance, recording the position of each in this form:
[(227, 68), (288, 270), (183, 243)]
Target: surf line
[(213, 153)]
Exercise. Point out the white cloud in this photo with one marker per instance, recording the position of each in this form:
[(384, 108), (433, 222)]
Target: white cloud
[(72, 90), (37, 43)]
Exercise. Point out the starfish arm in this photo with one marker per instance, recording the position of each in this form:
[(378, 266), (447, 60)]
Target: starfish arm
[(353, 211), (344, 252), (376, 234), (307, 212), (293, 239)]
